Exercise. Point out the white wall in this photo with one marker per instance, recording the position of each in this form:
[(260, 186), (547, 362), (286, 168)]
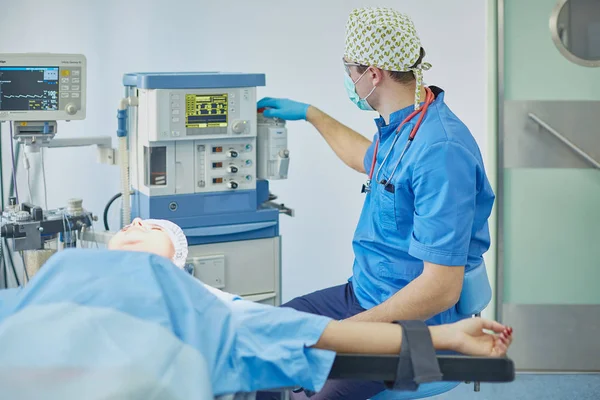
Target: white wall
[(297, 44)]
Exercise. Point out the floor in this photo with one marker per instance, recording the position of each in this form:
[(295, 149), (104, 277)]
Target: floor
[(529, 387)]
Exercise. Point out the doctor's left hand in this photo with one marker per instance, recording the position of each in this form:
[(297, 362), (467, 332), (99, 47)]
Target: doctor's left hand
[(283, 109)]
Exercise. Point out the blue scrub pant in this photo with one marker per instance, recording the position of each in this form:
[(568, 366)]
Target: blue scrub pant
[(338, 302)]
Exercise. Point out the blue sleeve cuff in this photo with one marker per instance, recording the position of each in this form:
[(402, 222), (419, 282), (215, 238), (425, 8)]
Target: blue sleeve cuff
[(273, 347), (319, 361), (435, 255)]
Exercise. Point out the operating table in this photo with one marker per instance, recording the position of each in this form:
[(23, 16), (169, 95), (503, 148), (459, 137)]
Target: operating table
[(384, 368)]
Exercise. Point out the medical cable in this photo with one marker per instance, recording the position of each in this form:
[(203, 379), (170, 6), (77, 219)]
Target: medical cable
[(14, 167), (396, 137), (11, 188), (373, 162), (3, 263), (125, 191), (1, 173), (66, 217), (93, 235), (12, 263), (44, 179), (70, 225), (107, 208), (64, 226), (65, 221), (428, 101), (27, 167), (422, 111), (4, 268), (4, 244)]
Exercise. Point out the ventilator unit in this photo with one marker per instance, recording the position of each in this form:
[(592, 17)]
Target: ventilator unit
[(199, 157)]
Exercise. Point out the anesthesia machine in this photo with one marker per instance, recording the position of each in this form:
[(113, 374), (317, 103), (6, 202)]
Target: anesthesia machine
[(201, 156)]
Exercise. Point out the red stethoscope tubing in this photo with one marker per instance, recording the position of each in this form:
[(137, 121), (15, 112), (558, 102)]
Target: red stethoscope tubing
[(429, 98)]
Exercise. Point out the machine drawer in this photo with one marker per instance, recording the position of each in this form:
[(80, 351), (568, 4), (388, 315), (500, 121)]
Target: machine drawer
[(245, 268)]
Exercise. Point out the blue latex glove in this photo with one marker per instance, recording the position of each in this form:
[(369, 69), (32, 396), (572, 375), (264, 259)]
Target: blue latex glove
[(283, 108)]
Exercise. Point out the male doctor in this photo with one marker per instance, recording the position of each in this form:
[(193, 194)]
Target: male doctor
[(427, 198)]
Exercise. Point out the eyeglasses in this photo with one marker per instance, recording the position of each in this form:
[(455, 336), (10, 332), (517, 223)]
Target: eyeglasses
[(348, 64)]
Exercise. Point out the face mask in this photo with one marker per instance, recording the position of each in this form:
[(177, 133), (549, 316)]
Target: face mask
[(354, 97)]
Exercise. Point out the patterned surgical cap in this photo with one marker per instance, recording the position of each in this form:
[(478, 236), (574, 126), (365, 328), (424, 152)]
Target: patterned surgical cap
[(386, 39)]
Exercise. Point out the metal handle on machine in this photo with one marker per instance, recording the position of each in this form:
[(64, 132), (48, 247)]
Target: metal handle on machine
[(282, 208), (585, 156)]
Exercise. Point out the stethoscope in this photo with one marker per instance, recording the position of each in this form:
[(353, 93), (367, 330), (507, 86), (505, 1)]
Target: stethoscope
[(366, 188)]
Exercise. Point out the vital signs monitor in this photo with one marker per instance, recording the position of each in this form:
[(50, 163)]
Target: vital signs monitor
[(42, 87)]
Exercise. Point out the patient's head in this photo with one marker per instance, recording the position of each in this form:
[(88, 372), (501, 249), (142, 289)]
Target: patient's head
[(156, 236)]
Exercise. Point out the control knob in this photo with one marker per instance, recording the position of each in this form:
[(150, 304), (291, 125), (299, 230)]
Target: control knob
[(232, 154), (71, 109), (232, 169), (232, 185), (239, 126), (22, 216)]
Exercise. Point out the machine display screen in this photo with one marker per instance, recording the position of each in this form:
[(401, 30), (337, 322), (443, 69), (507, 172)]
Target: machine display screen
[(29, 88), (206, 111)]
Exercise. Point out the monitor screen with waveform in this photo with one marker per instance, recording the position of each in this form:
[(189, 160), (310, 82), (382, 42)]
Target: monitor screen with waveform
[(29, 88)]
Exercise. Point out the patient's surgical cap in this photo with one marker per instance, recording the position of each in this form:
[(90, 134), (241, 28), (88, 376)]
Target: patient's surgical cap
[(386, 39), (177, 237)]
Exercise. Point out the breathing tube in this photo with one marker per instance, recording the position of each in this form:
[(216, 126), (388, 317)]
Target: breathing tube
[(124, 160)]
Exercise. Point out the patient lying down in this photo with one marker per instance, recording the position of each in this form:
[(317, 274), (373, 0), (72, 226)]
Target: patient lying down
[(129, 309), (467, 337)]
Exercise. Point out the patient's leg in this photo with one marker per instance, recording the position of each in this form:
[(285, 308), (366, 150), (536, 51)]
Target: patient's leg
[(346, 390)]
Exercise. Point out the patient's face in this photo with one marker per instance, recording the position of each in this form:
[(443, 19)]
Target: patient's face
[(145, 237)]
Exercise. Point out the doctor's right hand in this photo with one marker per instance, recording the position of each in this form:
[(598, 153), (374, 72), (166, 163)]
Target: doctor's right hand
[(283, 109)]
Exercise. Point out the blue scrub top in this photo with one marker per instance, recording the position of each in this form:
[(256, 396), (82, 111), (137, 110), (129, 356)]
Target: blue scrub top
[(438, 213)]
